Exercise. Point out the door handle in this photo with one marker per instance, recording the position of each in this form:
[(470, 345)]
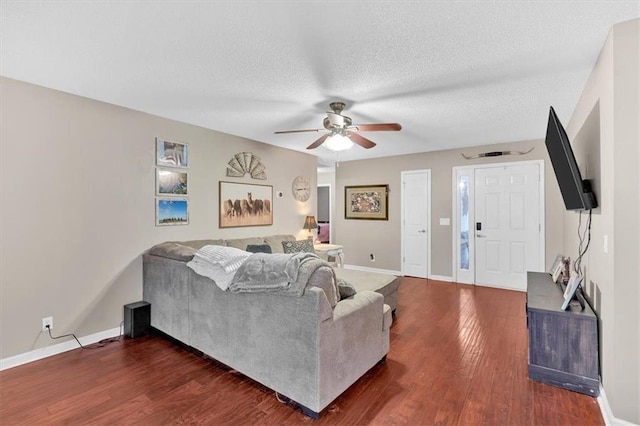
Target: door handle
[(422, 231), (479, 235)]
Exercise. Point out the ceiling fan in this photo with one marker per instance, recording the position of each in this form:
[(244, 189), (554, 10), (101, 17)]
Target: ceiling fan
[(342, 132)]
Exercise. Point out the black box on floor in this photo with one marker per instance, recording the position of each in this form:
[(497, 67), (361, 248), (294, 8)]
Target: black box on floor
[(137, 319)]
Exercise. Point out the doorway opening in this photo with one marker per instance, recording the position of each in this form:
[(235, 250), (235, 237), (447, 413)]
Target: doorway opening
[(324, 219)]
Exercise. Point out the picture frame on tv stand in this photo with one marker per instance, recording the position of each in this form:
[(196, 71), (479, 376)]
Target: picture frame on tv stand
[(557, 271), (556, 262), (572, 287)]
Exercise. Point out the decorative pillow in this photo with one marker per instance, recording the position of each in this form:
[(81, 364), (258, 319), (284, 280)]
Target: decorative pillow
[(345, 289), (304, 246), (259, 248), (275, 241)]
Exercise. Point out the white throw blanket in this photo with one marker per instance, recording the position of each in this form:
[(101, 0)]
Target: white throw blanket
[(219, 263)]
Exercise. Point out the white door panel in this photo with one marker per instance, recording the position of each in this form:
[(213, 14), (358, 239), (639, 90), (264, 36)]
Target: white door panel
[(507, 211), (415, 222)]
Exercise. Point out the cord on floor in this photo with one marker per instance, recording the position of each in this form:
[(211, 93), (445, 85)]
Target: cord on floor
[(96, 345)]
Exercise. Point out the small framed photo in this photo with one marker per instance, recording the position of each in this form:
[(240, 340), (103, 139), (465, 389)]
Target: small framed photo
[(172, 153), (557, 271), (556, 262), (171, 182), (366, 202), (572, 286), (172, 211)]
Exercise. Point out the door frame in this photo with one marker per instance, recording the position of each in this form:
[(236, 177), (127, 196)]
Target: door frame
[(468, 277), (402, 237), (328, 185)]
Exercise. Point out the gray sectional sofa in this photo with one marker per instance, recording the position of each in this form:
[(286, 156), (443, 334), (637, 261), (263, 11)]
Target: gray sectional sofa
[(309, 349)]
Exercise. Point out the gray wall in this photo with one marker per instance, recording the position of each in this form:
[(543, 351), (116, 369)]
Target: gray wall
[(382, 238), (608, 112), (78, 209)]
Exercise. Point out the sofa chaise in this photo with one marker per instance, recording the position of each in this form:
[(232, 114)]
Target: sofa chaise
[(309, 349)]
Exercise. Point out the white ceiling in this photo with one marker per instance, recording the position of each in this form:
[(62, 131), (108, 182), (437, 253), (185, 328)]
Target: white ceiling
[(454, 74)]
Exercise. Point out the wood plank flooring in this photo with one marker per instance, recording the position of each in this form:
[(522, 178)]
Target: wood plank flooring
[(458, 357)]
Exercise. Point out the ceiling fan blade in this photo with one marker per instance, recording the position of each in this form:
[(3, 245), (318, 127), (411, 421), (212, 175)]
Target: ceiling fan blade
[(382, 127), (362, 141), (298, 131), (319, 142)]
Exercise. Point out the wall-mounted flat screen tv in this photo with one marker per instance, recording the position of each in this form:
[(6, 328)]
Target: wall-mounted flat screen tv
[(576, 192)]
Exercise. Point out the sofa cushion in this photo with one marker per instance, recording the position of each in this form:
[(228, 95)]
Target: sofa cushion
[(173, 250), (181, 250), (242, 243), (259, 248), (305, 246), (198, 244), (275, 241), (384, 284)]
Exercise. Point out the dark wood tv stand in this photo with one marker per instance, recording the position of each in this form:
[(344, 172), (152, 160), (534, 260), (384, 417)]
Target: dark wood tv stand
[(563, 345)]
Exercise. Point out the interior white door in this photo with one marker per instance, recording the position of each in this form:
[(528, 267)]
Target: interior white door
[(415, 222), (507, 225)]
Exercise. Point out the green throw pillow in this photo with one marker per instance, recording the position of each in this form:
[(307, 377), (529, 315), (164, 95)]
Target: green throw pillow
[(304, 246), (259, 248), (346, 289)]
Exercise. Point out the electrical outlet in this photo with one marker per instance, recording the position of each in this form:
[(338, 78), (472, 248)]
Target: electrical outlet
[(48, 321)]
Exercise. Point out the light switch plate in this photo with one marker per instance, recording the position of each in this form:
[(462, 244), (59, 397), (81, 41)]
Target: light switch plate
[(444, 221)]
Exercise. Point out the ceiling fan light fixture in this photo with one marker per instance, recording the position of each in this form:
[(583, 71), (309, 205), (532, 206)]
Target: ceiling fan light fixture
[(338, 142)]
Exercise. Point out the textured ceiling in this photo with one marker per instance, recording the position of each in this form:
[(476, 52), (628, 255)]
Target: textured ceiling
[(454, 74)]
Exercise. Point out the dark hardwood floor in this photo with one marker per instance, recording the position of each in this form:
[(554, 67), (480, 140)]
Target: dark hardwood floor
[(458, 356)]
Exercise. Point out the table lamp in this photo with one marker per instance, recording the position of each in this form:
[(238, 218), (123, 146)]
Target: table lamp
[(310, 223)]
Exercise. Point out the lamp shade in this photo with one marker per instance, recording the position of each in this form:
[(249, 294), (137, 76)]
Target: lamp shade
[(338, 142), (310, 223)]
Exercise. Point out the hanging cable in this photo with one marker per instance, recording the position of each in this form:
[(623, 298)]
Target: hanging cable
[(586, 234)]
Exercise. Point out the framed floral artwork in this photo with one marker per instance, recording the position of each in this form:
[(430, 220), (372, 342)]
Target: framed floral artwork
[(366, 202)]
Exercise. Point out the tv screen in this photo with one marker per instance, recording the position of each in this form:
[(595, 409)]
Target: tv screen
[(576, 192)]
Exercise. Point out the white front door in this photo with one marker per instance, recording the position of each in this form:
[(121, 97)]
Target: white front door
[(416, 216), (507, 225)]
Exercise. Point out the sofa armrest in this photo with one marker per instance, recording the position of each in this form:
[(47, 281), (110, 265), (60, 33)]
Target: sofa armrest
[(351, 343), (367, 300)]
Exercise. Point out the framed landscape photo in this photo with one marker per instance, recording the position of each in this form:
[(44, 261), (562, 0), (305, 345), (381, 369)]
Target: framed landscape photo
[(171, 182), (171, 153), (366, 202), (245, 204), (172, 211)]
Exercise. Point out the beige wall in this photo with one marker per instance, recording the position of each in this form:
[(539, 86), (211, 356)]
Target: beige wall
[(78, 209), (382, 238), (612, 276)]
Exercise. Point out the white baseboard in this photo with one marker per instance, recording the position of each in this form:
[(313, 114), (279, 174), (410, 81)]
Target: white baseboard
[(441, 278), (366, 269), (607, 414), (56, 349)]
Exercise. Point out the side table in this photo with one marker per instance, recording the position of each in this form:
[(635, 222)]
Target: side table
[(333, 250)]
